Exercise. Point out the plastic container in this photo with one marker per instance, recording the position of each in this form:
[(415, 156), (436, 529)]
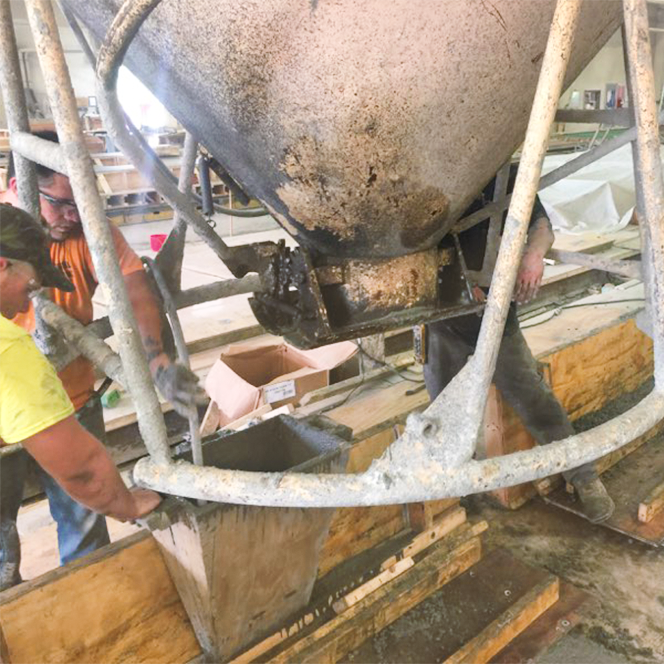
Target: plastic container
[(157, 241)]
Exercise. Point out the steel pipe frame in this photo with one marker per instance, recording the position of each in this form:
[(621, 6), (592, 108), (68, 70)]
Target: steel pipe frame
[(386, 483), (560, 173), (125, 25), (629, 269), (86, 343), (13, 95), (182, 353), (96, 227), (617, 117), (250, 283), (400, 475), (38, 150), (648, 175), (172, 252), (428, 462)]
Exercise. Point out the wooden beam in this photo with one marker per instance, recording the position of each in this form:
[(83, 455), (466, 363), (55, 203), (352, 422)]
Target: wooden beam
[(652, 504), (512, 622)]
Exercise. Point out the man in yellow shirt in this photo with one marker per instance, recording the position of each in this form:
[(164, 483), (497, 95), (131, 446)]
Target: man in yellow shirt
[(79, 530), (34, 407)]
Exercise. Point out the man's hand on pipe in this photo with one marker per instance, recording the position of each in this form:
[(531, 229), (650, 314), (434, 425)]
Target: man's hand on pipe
[(177, 384)]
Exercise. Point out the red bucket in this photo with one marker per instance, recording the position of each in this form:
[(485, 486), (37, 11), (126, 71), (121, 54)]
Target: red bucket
[(157, 241)]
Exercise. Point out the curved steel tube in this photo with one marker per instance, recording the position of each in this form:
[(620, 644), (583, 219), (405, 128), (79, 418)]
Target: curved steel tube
[(387, 482), (125, 25)]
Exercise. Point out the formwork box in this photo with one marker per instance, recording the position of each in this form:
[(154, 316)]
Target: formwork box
[(242, 570)]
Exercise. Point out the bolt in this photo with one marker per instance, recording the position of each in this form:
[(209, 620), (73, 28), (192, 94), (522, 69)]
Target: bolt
[(508, 593), (565, 623)]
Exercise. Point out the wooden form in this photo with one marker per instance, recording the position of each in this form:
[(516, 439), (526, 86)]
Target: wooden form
[(479, 614), (652, 504)]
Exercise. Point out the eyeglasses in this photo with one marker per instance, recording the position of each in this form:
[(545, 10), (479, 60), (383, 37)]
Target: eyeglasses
[(62, 203)]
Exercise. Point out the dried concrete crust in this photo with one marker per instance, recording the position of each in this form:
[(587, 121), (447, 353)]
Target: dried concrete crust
[(403, 282)]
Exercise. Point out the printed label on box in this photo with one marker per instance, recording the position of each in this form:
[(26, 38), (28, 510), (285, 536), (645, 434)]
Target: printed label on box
[(279, 391)]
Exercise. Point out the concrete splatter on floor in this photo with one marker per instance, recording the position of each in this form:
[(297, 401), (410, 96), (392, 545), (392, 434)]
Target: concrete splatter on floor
[(625, 577)]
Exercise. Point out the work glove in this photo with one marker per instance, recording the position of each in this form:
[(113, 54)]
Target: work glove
[(180, 387)]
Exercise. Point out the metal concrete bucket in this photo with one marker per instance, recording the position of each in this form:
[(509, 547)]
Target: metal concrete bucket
[(241, 570)]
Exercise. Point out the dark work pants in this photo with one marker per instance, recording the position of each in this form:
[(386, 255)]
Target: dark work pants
[(451, 342), (80, 530)]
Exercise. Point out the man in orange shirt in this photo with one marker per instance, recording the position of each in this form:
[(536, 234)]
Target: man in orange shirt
[(81, 531)]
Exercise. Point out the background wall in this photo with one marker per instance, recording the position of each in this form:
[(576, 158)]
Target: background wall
[(132, 93)]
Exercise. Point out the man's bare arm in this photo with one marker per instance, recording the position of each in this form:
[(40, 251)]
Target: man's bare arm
[(176, 383), (531, 270), (85, 470)]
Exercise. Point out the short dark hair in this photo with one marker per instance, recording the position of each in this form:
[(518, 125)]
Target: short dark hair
[(43, 173)]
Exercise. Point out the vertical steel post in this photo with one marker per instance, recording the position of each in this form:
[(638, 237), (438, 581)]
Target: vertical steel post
[(648, 167), (16, 110), (96, 227), (182, 352), (549, 87)]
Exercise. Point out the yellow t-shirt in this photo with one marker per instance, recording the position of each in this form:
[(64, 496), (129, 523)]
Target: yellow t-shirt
[(31, 395)]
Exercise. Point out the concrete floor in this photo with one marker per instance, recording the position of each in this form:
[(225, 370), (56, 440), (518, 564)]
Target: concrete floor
[(625, 577)]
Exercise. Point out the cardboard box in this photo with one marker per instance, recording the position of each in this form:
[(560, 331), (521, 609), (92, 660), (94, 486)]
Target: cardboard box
[(246, 377)]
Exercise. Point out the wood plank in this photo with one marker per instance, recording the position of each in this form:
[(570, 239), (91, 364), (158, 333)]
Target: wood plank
[(508, 625), (116, 605), (652, 504), (445, 524), (552, 625), (342, 634), (358, 594)]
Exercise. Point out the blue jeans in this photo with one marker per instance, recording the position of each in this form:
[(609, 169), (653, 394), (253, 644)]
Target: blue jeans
[(449, 344), (80, 530)]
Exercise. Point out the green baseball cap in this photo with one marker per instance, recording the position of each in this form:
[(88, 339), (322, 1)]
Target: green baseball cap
[(23, 239)]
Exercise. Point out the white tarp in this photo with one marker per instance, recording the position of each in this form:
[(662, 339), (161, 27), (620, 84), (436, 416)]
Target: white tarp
[(599, 198)]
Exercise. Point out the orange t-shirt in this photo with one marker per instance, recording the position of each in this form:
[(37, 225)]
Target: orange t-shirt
[(73, 257)]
